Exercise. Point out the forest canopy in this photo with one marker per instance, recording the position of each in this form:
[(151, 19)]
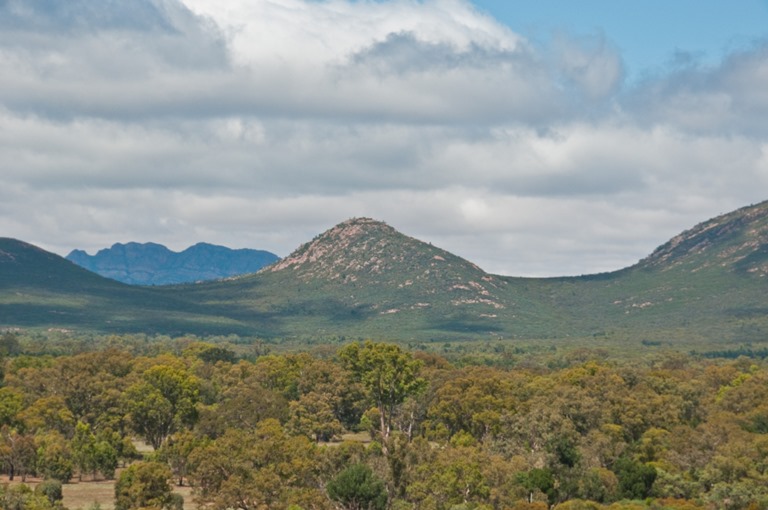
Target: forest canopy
[(377, 425)]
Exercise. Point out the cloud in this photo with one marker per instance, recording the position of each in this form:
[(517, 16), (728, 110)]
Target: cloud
[(730, 98), (590, 63), (260, 123)]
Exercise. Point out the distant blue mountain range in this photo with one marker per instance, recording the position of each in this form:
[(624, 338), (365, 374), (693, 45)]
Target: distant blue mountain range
[(154, 264)]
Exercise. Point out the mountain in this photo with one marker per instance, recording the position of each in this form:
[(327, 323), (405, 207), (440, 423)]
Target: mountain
[(39, 289), (362, 278), (736, 242), (154, 264), (708, 282)]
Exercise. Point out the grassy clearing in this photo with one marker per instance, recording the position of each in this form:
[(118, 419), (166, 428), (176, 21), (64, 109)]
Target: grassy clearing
[(88, 493), (85, 494)]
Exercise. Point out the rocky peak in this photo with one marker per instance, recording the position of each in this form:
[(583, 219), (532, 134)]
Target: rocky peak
[(366, 254), (351, 245), (737, 241)]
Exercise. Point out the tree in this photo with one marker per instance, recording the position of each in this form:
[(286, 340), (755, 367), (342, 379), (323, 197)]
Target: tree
[(210, 353), (93, 454), (472, 400), (105, 459), (17, 452), (51, 489), (538, 479), (388, 374), (453, 476), (11, 403), (145, 485), (92, 385), (9, 344), (635, 478), (242, 405), (22, 497), (54, 456), (48, 413), (257, 469), (83, 446), (358, 488), (177, 451), (312, 415), (162, 403)]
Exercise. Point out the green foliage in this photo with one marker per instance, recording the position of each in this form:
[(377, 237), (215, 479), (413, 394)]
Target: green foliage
[(177, 450), (9, 344), (451, 477), (162, 402), (11, 403), (635, 478), (312, 415), (357, 488), (261, 466), (577, 429), (144, 485), (22, 497), (54, 456), (210, 353), (565, 451), (51, 489), (387, 373), (538, 479)]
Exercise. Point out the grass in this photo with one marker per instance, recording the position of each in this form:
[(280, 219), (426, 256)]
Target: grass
[(87, 493), (84, 494)]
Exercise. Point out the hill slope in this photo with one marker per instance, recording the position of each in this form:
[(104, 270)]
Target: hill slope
[(154, 264), (708, 282), (362, 278), (42, 289)]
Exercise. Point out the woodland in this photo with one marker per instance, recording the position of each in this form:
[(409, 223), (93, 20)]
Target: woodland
[(374, 426)]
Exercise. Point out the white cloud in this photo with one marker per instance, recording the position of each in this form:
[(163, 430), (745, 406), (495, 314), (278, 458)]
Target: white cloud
[(260, 123)]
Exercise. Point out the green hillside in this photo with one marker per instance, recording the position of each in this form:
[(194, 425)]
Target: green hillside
[(707, 283), (39, 289), (362, 278)]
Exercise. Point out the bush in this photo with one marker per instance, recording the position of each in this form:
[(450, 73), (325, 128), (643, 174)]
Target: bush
[(358, 487), (142, 485), (51, 489)]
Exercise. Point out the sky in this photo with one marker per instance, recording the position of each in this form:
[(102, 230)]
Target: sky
[(538, 138)]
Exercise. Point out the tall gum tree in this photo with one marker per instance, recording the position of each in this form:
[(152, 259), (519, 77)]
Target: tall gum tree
[(388, 374)]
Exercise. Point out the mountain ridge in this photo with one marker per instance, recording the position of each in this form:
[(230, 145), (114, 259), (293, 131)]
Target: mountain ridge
[(740, 235), (154, 264), (364, 279)]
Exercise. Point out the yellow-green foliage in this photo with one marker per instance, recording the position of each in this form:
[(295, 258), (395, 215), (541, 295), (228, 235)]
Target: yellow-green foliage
[(576, 432)]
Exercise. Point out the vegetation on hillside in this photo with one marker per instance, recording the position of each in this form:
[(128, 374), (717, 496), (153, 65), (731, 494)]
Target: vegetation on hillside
[(363, 279)]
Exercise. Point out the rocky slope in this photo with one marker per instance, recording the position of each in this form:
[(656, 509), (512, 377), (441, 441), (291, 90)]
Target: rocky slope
[(373, 257), (737, 241)]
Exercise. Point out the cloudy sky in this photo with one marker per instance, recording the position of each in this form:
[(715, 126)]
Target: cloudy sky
[(541, 138)]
